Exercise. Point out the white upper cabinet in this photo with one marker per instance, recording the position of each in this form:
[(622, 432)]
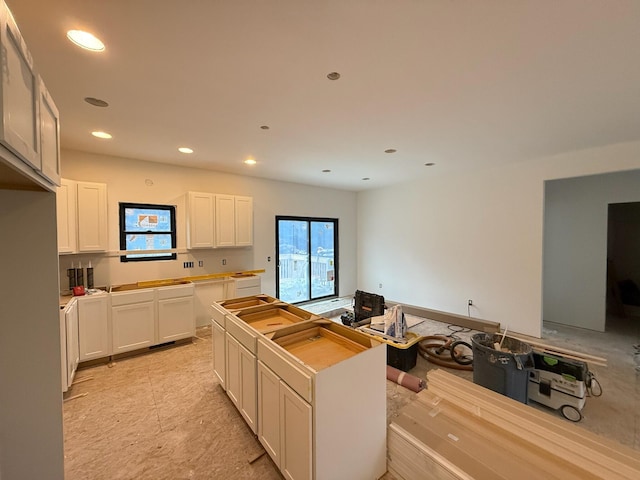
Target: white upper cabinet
[(225, 221), (49, 136), (29, 119), (200, 208), (243, 221), (20, 129), (92, 217), (66, 211), (218, 221), (82, 217)]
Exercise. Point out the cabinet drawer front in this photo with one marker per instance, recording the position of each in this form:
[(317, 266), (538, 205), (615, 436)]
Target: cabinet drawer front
[(246, 335), (291, 372), (219, 314), (175, 291), (128, 298)]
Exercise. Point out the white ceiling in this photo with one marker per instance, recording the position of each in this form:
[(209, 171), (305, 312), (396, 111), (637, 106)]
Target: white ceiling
[(462, 83)]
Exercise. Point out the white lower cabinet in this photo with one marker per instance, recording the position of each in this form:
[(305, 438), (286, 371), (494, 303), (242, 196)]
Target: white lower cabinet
[(176, 319), (133, 320), (295, 435), (284, 425), (69, 346), (93, 327), (241, 379), (219, 354)]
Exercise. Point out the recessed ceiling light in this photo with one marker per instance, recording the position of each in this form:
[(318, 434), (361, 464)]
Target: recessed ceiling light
[(430, 164), (390, 150), (250, 161), (185, 150), (333, 76), (326, 170), (264, 127), (366, 178), (101, 134), (96, 102), (85, 40)]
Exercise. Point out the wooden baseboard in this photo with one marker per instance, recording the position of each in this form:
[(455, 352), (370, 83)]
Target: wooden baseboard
[(479, 324)]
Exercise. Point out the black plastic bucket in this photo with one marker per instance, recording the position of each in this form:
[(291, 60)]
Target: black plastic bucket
[(503, 372)]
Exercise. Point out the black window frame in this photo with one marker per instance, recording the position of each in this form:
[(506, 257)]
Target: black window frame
[(123, 233)]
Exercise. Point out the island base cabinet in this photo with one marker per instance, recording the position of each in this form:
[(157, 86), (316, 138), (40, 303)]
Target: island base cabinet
[(241, 380), (133, 326), (219, 349), (285, 426), (295, 435)]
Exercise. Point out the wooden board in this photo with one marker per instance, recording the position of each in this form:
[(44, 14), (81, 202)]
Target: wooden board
[(479, 324), (600, 456), (271, 319), (563, 352)]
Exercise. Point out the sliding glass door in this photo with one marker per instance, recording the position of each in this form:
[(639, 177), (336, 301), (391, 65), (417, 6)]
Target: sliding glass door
[(307, 258)]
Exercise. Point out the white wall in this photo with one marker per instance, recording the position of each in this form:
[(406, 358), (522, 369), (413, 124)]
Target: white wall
[(453, 236), (125, 179), (575, 261), (31, 443)]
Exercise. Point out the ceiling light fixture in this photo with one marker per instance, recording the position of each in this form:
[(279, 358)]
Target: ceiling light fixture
[(85, 40), (366, 178), (326, 170), (333, 76), (96, 102), (264, 127), (250, 161), (430, 164), (390, 150), (104, 135), (185, 150)]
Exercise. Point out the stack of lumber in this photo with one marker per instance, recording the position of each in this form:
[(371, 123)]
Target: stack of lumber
[(456, 430)]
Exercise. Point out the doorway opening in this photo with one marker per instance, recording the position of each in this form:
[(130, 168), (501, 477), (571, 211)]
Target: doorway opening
[(623, 264)]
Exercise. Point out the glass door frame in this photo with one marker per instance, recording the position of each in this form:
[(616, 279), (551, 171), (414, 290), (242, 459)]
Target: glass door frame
[(336, 237)]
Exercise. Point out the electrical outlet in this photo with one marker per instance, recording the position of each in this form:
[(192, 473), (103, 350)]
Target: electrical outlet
[(201, 263), (469, 302), (184, 265), (224, 261), (268, 259), (379, 285)]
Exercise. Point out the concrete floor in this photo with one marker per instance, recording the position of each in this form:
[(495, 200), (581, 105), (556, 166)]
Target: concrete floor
[(162, 415)]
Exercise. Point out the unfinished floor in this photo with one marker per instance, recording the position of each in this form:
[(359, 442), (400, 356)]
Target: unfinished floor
[(162, 415)]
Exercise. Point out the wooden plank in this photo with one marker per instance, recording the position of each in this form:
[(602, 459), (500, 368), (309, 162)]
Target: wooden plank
[(599, 455), (545, 348), (479, 324)]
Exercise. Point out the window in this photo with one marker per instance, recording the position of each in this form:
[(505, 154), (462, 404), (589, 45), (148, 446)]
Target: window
[(307, 258), (147, 228)]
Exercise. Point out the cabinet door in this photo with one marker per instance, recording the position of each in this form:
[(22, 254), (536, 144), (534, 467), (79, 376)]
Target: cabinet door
[(232, 351), (248, 394), (200, 224), (93, 327), (225, 221), (66, 212), (133, 326), (244, 221), (49, 136), (73, 349), (219, 358), (92, 217), (20, 129), (269, 412), (295, 435), (175, 319)]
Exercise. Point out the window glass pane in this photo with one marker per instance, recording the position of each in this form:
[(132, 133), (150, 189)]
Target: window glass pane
[(293, 256), (159, 241), (322, 259), (147, 220)]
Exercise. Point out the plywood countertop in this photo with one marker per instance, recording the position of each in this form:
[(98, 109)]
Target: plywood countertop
[(196, 278)]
